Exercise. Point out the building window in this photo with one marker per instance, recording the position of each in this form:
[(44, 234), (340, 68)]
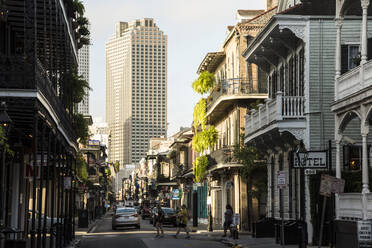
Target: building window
[(350, 57)]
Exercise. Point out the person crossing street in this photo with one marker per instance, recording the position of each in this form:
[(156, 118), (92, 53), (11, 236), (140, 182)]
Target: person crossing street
[(183, 219), (159, 222)]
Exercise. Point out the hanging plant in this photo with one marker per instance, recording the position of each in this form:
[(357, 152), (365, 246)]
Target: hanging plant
[(81, 128), (200, 168), (204, 83), (81, 168), (200, 115), (205, 139)]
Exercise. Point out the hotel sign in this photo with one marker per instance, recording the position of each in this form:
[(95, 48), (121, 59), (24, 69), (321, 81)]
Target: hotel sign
[(310, 160)]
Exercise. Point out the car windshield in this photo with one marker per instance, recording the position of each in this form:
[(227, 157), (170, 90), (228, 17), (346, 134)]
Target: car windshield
[(125, 210)]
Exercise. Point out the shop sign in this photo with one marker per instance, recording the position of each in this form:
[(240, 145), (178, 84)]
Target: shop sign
[(330, 184), (365, 233), (281, 179), (175, 194), (310, 160)]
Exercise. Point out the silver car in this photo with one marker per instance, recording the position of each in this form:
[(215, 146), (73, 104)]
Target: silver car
[(125, 217)]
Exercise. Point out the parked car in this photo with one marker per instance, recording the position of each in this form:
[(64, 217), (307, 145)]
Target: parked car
[(170, 216), (125, 217), (48, 220)]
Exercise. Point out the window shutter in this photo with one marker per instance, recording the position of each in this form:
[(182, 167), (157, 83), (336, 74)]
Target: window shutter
[(344, 58)]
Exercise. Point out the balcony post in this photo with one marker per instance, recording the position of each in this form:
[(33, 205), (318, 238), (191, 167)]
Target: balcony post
[(365, 180), (252, 117), (338, 139), (364, 49), (279, 105), (267, 110), (259, 113), (247, 126), (338, 54)]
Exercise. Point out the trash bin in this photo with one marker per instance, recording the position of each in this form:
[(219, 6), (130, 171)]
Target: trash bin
[(264, 228), (83, 218)]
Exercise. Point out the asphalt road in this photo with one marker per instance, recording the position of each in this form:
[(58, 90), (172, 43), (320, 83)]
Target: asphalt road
[(102, 236)]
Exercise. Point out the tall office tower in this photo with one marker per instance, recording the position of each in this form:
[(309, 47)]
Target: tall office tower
[(83, 70), (136, 86)]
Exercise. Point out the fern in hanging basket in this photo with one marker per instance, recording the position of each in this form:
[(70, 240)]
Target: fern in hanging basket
[(200, 115), (204, 83), (200, 168), (205, 139)]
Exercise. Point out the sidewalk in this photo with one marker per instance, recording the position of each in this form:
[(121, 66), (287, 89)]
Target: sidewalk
[(245, 239), (79, 231)]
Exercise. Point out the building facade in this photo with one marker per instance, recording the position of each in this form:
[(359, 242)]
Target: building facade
[(83, 70), (136, 86), (238, 85), (296, 116), (352, 109)]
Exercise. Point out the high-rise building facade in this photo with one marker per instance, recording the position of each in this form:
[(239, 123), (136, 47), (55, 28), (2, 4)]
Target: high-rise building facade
[(83, 70), (136, 88)]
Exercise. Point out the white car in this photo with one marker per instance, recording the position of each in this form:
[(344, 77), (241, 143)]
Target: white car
[(125, 217)]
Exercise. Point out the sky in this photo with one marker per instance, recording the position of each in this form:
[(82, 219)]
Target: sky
[(194, 28)]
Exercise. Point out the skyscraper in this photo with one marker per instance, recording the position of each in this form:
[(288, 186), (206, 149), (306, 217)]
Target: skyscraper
[(136, 86), (83, 70)]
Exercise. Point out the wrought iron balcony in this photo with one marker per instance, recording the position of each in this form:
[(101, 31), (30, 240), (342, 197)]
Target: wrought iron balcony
[(224, 155), (227, 92), (17, 75)]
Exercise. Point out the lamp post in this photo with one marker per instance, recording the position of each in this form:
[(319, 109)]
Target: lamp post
[(5, 123)]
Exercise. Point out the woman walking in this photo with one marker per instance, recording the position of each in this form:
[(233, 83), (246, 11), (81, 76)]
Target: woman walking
[(183, 218), (159, 219)]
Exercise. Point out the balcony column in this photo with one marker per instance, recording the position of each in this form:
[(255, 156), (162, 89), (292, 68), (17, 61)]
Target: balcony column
[(279, 105), (365, 180), (338, 53), (338, 139), (267, 110), (260, 114), (364, 48)]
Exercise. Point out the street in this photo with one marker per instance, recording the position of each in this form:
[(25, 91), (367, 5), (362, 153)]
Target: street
[(103, 237)]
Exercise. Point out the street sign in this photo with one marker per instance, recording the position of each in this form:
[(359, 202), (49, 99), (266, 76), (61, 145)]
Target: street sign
[(329, 185), (310, 160), (281, 179), (365, 233)]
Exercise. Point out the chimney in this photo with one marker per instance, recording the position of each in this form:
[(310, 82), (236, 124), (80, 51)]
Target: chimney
[(271, 3)]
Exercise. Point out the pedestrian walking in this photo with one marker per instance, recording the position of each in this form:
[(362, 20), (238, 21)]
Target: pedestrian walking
[(183, 218), (228, 220), (159, 219)]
